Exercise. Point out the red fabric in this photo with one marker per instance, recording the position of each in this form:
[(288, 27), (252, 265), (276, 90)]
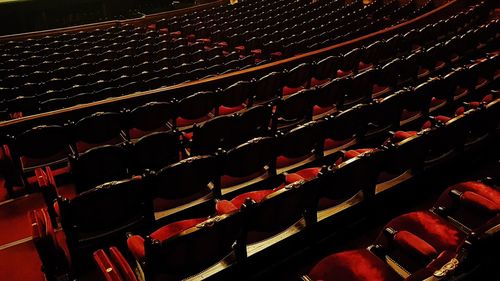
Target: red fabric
[(353, 265), (152, 26), (223, 110), (341, 73), (136, 243), (317, 110), (181, 122), (222, 44), (429, 227), (362, 65), (228, 181), (317, 82), (175, 34), (440, 118), (122, 264), (356, 152), (289, 91), (406, 114), (276, 55), (283, 161), (161, 204), (225, 207), (305, 174), (402, 135), (411, 242), (164, 30), (378, 89), (435, 101), (331, 143), (188, 135), (106, 266), (257, 196), (479, 201)]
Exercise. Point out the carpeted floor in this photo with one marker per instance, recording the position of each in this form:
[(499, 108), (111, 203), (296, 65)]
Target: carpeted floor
[(20, 263)]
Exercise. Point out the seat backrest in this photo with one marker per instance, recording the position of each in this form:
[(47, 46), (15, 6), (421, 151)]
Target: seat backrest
[(250, 157), (326, 68), (294, 109), (197, 105), (282, 208), (236, 94), (345, 180), (408, 153), (346, 124), (213, 134), (268, 87), (155, 151), (298, 75), (195, 248), (99, 165), (41, 141), (151, 116), (98, 127), (307, 135), (187, 177), (105, 212), (254, 122)]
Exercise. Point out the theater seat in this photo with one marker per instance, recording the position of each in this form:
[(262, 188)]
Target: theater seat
[(353, 266)]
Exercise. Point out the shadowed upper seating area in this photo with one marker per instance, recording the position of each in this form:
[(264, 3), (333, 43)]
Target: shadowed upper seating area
[(247, 140)]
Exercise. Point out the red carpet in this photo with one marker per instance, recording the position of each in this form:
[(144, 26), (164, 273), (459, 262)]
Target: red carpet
[(3, 191), (20, 263), (14, 224)]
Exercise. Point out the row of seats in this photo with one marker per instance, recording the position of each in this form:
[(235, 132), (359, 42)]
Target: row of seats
[(457, 234), (398, 158), (171, 66), (206, 138), (368, 56)]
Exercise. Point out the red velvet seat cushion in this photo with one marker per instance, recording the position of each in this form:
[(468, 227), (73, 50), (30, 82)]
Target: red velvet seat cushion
[(181, 122), (413, 243), (399, 136), (122, 264), (440, 118), (152, 26), (363, 65), (481, 202), (431, 228), (283, 161), (378, 89), (356, 265), (317, 110), (331, 143), (223, 110), (228, 181), (407, 114), (106, 266), (342, 73), (435, 101), (305, 174), (317, 82), (352, 153), (136, 243), (289, 91)]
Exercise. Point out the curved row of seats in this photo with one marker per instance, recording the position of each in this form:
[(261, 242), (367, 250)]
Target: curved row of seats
[(367, 56), (294, 109), (108, 73), (440, 242), (313, 184)]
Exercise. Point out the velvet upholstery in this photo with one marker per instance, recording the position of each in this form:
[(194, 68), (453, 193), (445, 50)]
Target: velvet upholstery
[(436, 231), (136, 243), (355, 265)]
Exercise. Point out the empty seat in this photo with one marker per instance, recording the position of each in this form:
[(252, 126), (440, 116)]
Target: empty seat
[(150, 117), (99, 165), (97, 129), (174, 187), (155, 151), (165, 247), (195, 108)]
